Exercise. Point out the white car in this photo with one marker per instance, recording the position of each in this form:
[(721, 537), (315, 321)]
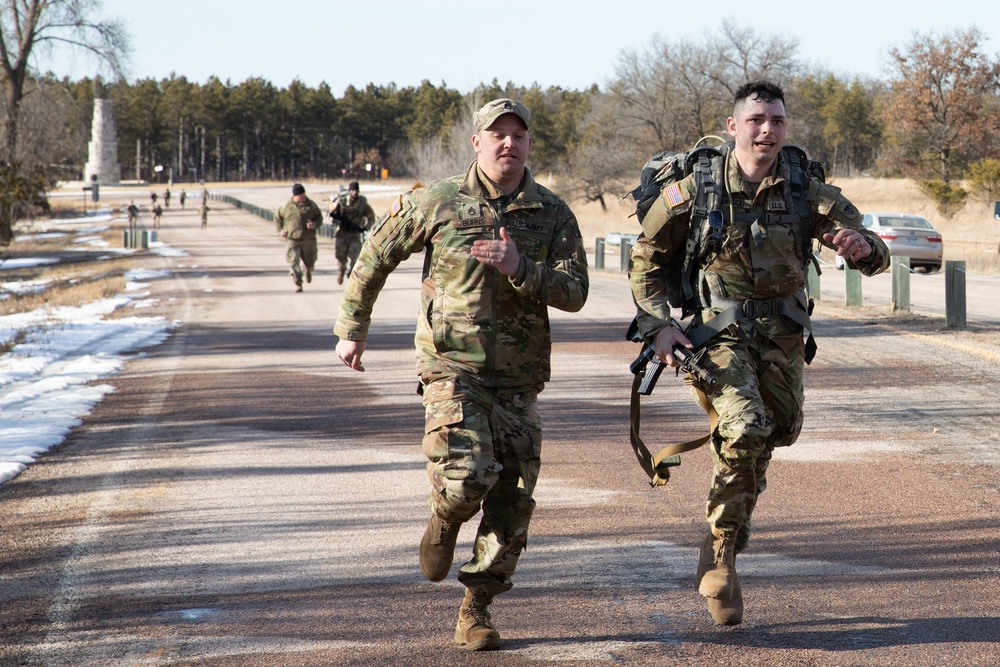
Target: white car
[(906, 235)]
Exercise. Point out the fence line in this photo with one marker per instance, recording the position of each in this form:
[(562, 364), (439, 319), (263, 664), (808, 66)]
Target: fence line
[(266, 213), (259, 211)]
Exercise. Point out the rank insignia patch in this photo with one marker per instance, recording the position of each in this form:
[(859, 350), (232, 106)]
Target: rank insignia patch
[(673, 195)]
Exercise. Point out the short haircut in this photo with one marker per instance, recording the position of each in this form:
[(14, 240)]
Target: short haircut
[(759, 91)]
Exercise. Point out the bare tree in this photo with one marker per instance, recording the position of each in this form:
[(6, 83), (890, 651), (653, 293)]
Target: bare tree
[(645, 92), (450, 152), (744, 54), (26, 25), (608, 157), (52, 125), (442, 156), (683, 90)]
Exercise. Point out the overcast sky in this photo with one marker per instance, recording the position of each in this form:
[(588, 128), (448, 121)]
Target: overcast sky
[(571, 44)]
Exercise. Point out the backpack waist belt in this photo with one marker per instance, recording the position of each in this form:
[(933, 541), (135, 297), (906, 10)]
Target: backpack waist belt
[(793, 307)]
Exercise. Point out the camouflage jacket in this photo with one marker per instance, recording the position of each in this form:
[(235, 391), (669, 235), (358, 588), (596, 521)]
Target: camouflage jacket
[(475, 320), (351, 218), (293, 217), (771, 265)]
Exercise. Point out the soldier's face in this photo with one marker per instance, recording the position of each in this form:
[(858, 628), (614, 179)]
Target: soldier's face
[(759, 129), (299, 199), (352, 195), (503, 148)]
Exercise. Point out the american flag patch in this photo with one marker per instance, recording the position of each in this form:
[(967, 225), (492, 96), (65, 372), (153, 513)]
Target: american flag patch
[(673, 195)]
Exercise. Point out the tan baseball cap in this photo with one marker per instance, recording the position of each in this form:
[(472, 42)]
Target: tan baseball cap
[(493, 110)]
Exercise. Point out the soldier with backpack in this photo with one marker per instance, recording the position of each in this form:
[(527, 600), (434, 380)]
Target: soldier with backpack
[(729, 243)]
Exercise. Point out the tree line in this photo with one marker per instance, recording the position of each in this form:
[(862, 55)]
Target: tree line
[(933, 118)]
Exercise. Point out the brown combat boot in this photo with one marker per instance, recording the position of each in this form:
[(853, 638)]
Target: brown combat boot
[(717, 565), (728, 612), (437, 548), (340, 276), (474, 630), (309, 275)]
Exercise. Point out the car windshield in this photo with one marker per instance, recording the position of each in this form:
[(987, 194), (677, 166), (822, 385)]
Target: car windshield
[(915, 223)]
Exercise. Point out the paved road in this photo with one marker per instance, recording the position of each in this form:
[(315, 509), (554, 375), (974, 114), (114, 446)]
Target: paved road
[(243, 499)]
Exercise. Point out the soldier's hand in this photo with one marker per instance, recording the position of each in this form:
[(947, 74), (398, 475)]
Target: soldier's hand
[(350, 351), (666, 339), (283, 233), (501, 254), (850, 244)]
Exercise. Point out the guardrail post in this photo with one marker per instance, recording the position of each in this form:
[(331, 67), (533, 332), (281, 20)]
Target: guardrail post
[(900, 268), (812, 281), (626, 253), (599, 253), (852, 287), (954, 294)]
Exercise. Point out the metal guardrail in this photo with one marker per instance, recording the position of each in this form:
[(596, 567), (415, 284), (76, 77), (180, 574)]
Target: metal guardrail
[(259, 211), (328, 231)]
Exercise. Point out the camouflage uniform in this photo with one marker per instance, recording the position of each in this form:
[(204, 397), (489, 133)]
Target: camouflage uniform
[(483, 346), (351, 219), (757, 363), (302, 248)]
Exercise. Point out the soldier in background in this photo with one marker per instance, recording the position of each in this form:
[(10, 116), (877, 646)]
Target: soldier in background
[(499, 251), (183, 198), (297, 221), (756, 362), (157, 213), (203, 212), (166, 198), (133, 215), (352, 215)]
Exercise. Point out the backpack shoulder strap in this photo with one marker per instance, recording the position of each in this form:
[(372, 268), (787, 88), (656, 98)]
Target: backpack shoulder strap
[(704, 164)]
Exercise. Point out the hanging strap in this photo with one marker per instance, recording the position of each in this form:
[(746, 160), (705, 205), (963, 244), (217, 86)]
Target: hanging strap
[(657, 467)]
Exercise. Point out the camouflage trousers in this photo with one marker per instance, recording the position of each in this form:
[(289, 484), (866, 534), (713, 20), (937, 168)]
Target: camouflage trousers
[(301, 255), (347, 247), (483, 448), (758, 396)]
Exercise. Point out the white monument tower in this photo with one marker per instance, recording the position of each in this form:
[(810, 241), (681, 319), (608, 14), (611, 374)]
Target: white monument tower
[(102, 152)]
